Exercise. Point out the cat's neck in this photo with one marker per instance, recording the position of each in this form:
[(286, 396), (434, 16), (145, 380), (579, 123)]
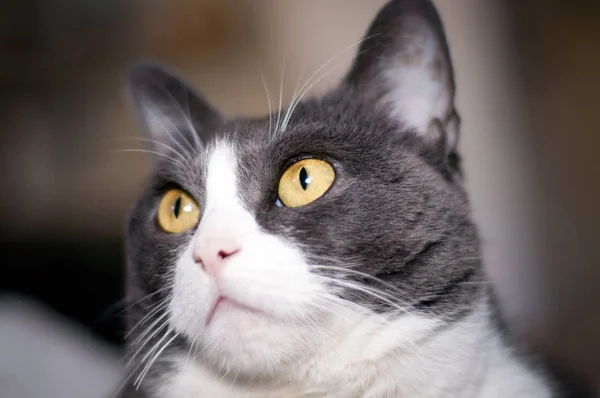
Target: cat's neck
[(467, 358)]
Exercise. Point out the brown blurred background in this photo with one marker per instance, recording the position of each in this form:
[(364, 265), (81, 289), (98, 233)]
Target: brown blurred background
[(528, 76)]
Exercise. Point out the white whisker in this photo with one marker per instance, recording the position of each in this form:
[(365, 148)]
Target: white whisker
[(383, 296), (280, 97), (270, 103), (150, 327), (197, 144), (157, 308), (128, 365), (190, 351), (292, 102), (138, 381), (153, 142), (355, 272), (304, 90), (159, 117), (144, 344), (141, 344), (142, 299), (367, 291), (188, 121), (160, 154)]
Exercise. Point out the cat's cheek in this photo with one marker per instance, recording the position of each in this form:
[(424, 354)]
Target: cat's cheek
[(272, 276), (192, 298)]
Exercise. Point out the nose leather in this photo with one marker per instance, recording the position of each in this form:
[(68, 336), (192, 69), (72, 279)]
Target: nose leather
[(213, 250)]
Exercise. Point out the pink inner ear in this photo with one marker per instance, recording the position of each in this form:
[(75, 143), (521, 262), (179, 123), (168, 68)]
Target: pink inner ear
[(404, 68), (419, 91)]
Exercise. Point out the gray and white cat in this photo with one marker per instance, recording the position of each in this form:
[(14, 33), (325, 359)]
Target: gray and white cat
[(324, 252)]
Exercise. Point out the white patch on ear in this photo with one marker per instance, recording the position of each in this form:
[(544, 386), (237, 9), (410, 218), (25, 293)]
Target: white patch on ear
[(419, 88)]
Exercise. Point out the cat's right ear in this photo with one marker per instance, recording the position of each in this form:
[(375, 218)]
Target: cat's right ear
[(174, 116)]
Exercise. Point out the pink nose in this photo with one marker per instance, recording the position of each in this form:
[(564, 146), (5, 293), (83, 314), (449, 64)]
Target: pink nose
[(211, 253)]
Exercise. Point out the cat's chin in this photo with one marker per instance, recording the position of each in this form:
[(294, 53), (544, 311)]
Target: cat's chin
[(225, 307), (253, 344)]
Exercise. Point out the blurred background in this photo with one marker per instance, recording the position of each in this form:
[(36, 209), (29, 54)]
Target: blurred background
[(528, 75)]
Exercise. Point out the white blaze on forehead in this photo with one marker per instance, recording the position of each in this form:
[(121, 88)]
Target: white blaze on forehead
[(221, 181), (224, 212)]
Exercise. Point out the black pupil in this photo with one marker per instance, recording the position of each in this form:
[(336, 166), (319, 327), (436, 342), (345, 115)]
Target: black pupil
[(177, 207), (303, 177)]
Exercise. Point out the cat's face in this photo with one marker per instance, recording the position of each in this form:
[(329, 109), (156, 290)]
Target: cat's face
[(262, 241)]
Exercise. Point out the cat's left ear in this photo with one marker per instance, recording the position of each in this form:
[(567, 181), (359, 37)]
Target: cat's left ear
[(174, 116), (403, 68)]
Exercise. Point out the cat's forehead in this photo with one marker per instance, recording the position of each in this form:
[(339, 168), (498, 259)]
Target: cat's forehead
[(333, 129), (331, 126)]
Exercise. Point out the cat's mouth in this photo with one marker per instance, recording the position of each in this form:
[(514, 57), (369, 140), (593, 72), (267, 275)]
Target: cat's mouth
[(226, 304)]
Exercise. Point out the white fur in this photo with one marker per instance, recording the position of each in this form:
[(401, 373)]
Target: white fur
[(305, 342), (466, 359)]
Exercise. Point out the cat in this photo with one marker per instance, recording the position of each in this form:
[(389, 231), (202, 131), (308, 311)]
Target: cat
[(326, 250)]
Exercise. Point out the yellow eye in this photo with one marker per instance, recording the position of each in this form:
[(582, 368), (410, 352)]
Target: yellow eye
[(177, 212), (305, 181)]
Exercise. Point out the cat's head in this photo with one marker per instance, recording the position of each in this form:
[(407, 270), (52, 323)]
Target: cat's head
[(261, 240)]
